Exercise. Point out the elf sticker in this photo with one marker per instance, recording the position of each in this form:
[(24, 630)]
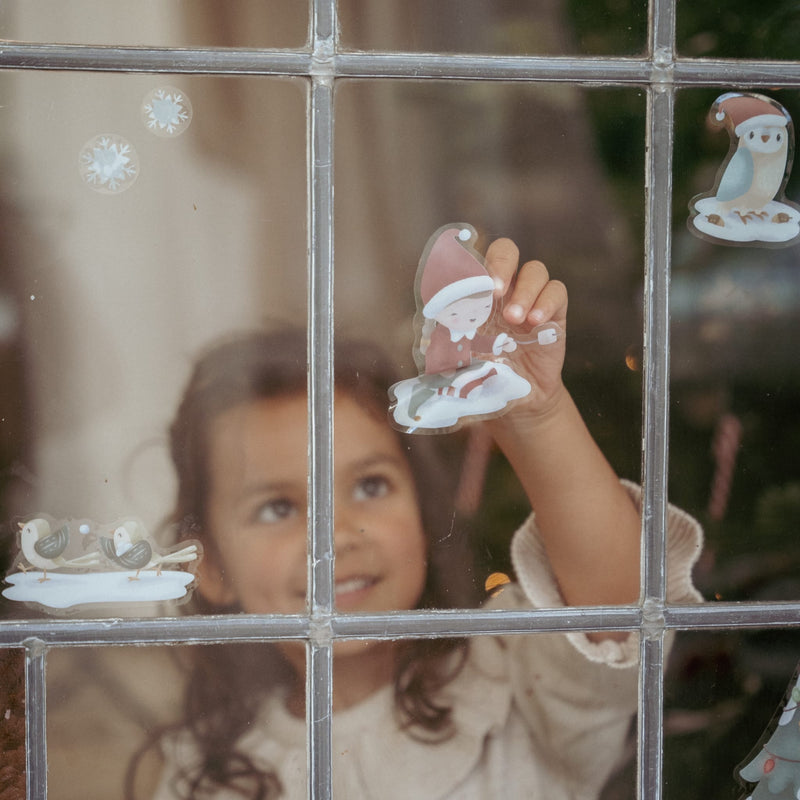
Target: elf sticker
[(459, 355)]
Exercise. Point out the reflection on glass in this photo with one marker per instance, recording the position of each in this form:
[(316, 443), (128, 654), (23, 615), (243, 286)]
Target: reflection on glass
[(518, 716), (137, 718), (498, 28), (725, 695), (734, 426), (743, 30), (534, 170), (558, 170), (12, 723), (111, 281), (240, 443), (158, 23)]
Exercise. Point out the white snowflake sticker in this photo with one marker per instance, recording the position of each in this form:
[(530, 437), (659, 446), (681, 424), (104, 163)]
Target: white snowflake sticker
[(109, 164), (167, 111)]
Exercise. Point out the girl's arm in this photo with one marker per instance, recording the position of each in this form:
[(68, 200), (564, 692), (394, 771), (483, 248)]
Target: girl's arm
[(589, 525)]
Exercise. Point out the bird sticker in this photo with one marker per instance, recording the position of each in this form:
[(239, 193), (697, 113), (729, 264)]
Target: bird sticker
[(64, 565), (747, 205), (131, 549), (43, 548)]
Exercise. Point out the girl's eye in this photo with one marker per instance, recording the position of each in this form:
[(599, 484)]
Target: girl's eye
[(276, 510), (372, 487)]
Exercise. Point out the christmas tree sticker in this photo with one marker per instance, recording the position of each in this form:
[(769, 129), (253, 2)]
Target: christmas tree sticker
[(774, 767)]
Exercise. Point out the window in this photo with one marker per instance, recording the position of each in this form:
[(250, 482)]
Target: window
[(576, 126)]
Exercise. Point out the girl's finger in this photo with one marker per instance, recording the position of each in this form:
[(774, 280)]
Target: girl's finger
[(502, 260), (550, 305), (530, 282)]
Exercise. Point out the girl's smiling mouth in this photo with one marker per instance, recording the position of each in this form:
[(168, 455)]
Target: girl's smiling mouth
[(351, 590)]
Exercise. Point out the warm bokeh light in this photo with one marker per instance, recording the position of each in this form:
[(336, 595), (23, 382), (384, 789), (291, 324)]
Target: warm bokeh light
[(495, 582), (632, 360)]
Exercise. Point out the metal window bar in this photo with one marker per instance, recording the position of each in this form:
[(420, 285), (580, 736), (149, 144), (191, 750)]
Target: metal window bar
[(322, 63), (319, 650)]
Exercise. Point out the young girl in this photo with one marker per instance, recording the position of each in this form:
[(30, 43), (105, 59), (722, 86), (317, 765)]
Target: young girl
[(540, 715)]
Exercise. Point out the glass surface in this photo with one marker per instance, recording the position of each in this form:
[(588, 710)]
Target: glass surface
[(735, 381), (156, 23), (505, 27), (525, 715), (108, 709), (722, 694), (551, 167), (144, 220), (741, 29), (12, 723)]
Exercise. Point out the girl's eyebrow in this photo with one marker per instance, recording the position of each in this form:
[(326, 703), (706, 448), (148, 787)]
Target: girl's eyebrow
[(372, 461), (266, 488), (377, 460)]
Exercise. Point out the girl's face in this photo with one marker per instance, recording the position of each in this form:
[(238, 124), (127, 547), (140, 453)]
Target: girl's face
[(257, 511)]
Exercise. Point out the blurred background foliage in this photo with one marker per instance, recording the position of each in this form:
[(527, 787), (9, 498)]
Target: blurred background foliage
[(735, 319), (737, 357)]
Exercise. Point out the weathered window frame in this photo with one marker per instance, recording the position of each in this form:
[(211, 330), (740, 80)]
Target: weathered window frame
[(322, 63)]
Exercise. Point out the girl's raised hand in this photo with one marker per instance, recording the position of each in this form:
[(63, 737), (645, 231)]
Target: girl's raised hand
[(528, 298), (589, 526)]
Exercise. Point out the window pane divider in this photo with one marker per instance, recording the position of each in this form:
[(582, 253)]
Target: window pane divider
[(36, 719), (411, 624), (319, 648), (655, 413), (661, 73), (300, 62)]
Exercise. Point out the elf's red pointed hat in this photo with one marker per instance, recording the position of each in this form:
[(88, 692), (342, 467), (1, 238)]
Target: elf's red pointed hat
[(451, 271), (746, 111)]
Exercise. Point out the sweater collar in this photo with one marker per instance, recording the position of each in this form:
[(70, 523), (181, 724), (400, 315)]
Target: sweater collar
[(395, 766), (373, 757)]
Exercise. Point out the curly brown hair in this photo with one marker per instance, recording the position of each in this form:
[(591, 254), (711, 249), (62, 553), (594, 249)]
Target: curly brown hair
[(262, 364)]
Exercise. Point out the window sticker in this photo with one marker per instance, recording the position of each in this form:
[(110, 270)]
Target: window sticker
[(167, 111), (109, 164), (459, 352), (772, 770), (65, 564), (747, 205)]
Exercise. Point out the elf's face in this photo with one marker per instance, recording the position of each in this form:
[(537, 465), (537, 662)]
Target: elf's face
[(466, 314)]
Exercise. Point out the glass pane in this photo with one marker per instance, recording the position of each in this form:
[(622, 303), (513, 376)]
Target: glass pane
[(553, 168), (115, 709), (145, 220), (529, 714), (155, 23), (724, 694), (734, 375), (743, 30), (505, 27), (12, 723)]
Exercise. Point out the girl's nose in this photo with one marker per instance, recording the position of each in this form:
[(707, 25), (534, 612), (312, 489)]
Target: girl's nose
[(347, 532)]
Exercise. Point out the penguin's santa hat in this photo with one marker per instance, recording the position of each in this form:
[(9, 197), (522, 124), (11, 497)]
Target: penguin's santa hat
[(748, 111), (451, 270)]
